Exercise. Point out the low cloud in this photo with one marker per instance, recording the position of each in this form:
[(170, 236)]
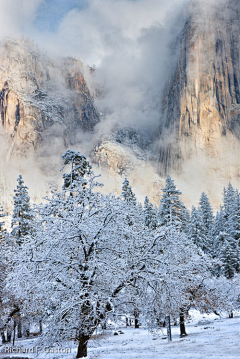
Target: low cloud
[(131, 44)]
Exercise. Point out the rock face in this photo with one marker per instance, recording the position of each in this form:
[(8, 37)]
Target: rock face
[(46, 101), (40, 97), (202, 101), (199, 129)]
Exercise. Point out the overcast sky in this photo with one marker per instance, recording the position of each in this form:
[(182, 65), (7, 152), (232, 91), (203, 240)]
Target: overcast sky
[(90, 29)]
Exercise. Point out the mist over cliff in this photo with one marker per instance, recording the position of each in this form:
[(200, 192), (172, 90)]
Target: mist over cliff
[(201, 102), (143, 88)]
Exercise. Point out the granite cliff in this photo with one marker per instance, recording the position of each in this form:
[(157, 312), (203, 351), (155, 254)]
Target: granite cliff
[(198, 142), (202, 100), (41, 97)]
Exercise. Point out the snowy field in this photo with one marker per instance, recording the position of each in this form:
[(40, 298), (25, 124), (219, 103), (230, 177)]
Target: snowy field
[(215, 338), (208, 337)]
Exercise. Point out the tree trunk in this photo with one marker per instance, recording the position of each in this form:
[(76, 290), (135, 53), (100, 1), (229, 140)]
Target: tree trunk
[(136, 323), (3, 338), (82, 346), (9, 336), (40, 326), (104, 325), (26, 329), (19, 329), (231, 315), (14, 331), (182, 325), (136, 317), (169, 332), (127, 324)]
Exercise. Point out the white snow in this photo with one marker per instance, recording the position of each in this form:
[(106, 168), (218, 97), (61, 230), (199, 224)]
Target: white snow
[(219, 338), (209, 337)]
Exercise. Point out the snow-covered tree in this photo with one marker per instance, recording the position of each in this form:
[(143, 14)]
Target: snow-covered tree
[(206, 221), (229, 256), (8, 305), (222, 294), (127, 193), (197, 231), (22, 225), (231, 209), (170, 204), (150, 215), (93, 256), (22, 214), (185, 219), (178, 279), (206, 212), (218, 233), (76, 265), (80, 168), (130, 198), (172, 211), (226, 234)]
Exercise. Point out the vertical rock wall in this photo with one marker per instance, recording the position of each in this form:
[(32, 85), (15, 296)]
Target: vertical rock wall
[(202, 101), (40, 96)]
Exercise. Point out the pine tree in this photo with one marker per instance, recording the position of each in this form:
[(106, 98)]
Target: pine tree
[(206, 211), (149, 214), (229, 196), (207, 218), (185, 219), (218, 233), (170, 205), (232, 211), (235, 219), (225, 245), (80, 167), (235, 253), (22, 214), (197, 231), (127, 193), (230, 258), (226, 233)]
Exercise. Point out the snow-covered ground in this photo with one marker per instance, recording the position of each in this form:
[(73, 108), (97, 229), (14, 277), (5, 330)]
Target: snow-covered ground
[(209, 337), (215, 338)]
